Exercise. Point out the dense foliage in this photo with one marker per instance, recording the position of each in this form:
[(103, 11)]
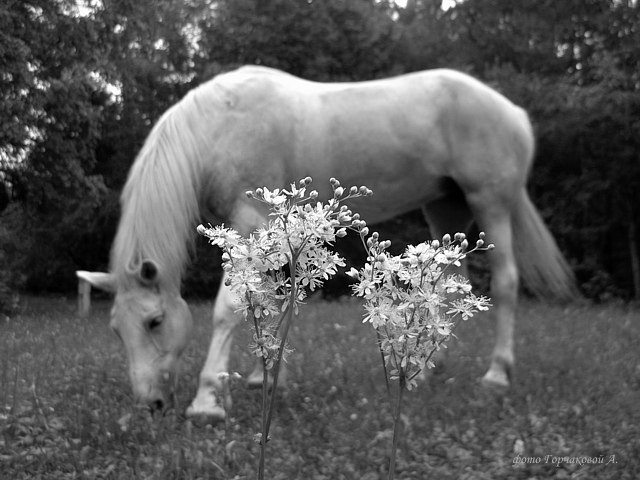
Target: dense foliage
[(82, 81)]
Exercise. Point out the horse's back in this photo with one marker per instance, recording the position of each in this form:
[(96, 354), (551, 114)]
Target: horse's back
[(435, 107), (404, 136)]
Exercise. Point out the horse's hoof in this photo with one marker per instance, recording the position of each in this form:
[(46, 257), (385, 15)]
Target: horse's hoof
[(210, 416), (498, 381)]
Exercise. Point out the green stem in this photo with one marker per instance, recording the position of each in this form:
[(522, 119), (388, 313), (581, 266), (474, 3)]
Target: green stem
[(276, 372), (397, 425), (384, 365), (268, 401), (258, 330), (264, 438)]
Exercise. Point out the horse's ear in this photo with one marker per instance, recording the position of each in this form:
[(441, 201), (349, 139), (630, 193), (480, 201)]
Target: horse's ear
[(148, 273), (101, 280)]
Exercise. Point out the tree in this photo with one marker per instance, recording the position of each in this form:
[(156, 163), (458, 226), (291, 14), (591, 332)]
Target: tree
[(328, 40), (47, 142), (574, 66), (83, 88)]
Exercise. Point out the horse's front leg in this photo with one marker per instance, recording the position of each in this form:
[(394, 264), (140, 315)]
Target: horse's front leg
[(213, 399)]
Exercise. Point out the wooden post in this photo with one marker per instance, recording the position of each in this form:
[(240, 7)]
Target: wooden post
[(84, 297)]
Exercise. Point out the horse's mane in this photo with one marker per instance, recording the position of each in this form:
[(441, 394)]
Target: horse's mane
[(160, 200)]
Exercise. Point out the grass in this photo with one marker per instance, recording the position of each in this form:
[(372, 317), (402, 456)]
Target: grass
[(66, 410)]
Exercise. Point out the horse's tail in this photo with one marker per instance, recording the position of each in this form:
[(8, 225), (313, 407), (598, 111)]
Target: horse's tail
[(543, 268)]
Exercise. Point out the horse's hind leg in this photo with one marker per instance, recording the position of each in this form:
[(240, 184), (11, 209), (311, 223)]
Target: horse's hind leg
[(493, 214), (213, 398), (450, 215)]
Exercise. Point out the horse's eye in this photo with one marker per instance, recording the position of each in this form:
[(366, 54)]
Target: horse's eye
[(154, 323)]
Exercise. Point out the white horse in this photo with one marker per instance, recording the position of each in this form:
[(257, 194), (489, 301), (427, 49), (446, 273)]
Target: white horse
[(437, 140)]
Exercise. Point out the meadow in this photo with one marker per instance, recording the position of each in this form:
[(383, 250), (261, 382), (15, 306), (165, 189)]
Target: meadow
[(66, 410)]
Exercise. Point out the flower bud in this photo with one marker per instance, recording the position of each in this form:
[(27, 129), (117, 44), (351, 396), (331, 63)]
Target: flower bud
[(338, 192), (332, 181), (249, 193), (481, 235), (446, 240), (353, 190), (313, 195), (201, 229), (479, 243), (464, 244), (356, 216), (364, 231)]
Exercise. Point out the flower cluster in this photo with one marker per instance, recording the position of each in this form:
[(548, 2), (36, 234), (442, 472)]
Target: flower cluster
[(271, 270), (413, 300)]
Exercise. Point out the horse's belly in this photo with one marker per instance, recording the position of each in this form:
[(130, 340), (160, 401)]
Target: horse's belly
[(395, 197), (399, 184)]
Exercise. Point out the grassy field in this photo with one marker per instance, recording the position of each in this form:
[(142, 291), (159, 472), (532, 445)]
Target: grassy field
[(66, 409)]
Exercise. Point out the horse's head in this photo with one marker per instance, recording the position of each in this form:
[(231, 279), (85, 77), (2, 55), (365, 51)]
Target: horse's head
[(154, 325)]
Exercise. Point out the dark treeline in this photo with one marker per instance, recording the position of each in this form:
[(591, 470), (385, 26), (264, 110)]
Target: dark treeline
[(81, 83)]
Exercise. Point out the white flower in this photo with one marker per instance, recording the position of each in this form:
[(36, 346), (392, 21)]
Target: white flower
[(220, 236), (353, 273), (274, 197)]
